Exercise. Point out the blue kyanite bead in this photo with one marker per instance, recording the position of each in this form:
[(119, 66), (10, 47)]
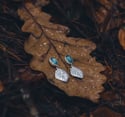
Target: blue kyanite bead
[(69, 59), (53, 61)]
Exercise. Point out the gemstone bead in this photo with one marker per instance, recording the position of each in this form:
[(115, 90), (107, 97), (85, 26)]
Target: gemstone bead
[(61, 75), (76, 72), (53, 61), (69, 59)]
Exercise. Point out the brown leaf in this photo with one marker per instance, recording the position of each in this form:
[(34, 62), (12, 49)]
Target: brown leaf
[(102, 11), (41, 2), (108, 15), (110, 96), (105, 112), (50, 40), (121, 37), (101, 14), (122, 4), (83, 115), (28, 74), (107, 3), (1, 87)]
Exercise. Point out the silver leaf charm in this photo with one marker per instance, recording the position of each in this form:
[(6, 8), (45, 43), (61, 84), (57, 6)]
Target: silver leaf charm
[(61, 74), (76, 72)]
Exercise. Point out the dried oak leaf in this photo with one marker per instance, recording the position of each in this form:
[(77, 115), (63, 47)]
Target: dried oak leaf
[(49, 40), (105, 112), (121, 37)]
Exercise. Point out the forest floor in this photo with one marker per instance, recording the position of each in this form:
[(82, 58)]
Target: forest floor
[(27, 93)]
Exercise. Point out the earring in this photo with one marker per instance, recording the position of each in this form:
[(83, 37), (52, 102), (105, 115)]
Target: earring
[(74, 71), (60, 74)]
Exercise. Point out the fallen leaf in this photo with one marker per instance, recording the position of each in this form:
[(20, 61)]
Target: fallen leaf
[(28, 74), (107, 3), (102, 11), (41, 2), (108, 15), (83, 115), (114, 96), (121, 37), (1, 87), (49, 40), (105, 112), (110, 96), (101, 14), (122, 4)]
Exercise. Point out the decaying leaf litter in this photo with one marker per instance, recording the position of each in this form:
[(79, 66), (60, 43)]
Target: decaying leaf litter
[(108, 57)]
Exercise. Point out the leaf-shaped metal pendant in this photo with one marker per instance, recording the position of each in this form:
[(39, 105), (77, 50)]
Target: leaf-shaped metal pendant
[(61, 74), (76, 72)]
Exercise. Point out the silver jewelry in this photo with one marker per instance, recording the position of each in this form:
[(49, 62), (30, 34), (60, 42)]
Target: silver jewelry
[(60, 74), (74, 71)]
